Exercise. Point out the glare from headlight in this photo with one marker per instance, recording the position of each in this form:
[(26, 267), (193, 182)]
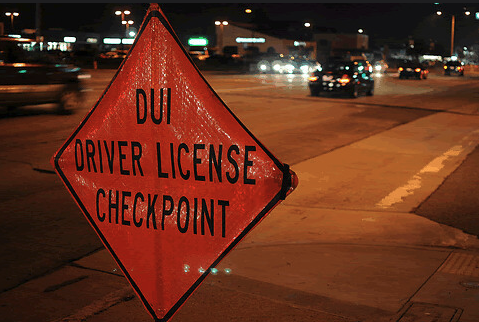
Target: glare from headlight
[(305, 69), (289, 68)]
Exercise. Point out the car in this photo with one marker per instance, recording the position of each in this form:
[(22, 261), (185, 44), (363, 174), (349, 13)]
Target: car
[(32, 77), (454, 67), (352, 78), (411, 68)]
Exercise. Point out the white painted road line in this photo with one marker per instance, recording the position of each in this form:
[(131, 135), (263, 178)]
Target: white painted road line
[(399, 194)]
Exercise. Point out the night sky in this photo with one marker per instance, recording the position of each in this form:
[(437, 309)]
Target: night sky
[(381, 21)]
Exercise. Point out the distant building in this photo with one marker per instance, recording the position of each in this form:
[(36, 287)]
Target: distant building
[(337, 44), (287, 39), (242, 39)]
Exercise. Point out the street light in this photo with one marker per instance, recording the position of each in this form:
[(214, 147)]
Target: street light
[(360, 31), (221, 24), (453, 22), (307, 24), (127, 23), (11, 15)]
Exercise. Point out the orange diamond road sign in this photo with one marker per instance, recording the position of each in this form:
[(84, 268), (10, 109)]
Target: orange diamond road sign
[(165, 173)]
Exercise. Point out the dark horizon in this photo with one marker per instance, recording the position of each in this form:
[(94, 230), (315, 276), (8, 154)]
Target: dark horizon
[(380, 21)]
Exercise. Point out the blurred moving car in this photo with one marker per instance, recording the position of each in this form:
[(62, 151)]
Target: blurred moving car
[(199, 55), (352, 78), (281, 65), (32, 78), (411, 68), (454, 67)]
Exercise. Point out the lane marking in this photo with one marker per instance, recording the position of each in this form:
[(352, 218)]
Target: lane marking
[(109, 300), (436, 165)]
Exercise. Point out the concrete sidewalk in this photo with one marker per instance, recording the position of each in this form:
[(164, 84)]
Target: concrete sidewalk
[(359, 266), (306, 261)]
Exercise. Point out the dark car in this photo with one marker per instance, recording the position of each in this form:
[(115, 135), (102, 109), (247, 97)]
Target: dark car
[(414, 69), (454, 67), (32, 77), (351, 78)]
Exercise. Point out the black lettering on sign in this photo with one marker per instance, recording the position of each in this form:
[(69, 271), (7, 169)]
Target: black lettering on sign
[(223, 204), (215, 161), (141, 119), (139, 195), (166, 212), (90, 153), (151, 211), (234, 163), (161, 174), (80, 165), (110, 156), (100, 156), (247, 164), (124, 207), (183, 200), (103, 215), (196, 212), (135, 157), (197, 161), (156, 112), (186, 175), (112, 205), (209, 216), (122, 157), (96, 154)]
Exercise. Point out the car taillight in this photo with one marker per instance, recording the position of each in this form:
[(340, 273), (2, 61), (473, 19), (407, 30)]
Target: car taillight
[(313, 78), (445, 67), (417, 70), (344, 80), (400, 69)]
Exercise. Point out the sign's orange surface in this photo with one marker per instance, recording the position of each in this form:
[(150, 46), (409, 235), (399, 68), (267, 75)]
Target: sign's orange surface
[(165, 173)]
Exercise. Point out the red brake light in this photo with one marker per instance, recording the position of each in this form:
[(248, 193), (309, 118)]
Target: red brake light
[(345, 79)]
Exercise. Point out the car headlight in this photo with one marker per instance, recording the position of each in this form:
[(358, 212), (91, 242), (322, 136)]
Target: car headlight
[(377, 67), (83, 76), (277, 67), (304, 69), (289, 68)]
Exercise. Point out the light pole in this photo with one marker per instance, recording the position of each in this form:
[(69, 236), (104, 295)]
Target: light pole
[(453, 23), (11, 15), (221, 24), (125, 22)]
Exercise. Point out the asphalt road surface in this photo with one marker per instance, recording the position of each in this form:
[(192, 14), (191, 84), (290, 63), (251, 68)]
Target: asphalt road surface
[(412, 147)]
